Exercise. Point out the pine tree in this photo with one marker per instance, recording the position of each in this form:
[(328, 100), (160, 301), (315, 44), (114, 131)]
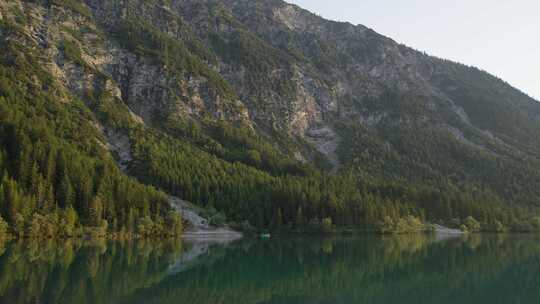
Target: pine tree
[(65, 195), (95, 212)]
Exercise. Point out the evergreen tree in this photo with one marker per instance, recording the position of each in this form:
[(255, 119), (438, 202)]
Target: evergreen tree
[(3, 228)]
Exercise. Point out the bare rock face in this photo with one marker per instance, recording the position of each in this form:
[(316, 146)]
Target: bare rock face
[(326, 141), (142, 83), (119, 144)]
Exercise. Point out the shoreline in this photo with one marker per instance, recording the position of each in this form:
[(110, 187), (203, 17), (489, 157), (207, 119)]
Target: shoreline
[(229, 235)]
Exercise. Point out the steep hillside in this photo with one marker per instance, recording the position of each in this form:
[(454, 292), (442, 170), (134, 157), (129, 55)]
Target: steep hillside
[(259, 110)]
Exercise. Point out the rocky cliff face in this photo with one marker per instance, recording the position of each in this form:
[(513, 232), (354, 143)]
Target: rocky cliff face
[(82, 53), (278, 69)]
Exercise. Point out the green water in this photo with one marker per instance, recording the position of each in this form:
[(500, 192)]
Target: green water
[(411, 269)]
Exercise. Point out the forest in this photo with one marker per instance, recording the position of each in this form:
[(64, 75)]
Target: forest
[(59, 177)]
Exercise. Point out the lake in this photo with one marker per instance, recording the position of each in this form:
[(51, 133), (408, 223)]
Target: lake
[(368, 269)]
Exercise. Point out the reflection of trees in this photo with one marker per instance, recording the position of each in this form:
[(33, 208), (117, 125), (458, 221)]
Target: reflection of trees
[(368, 269), (73, 271), (2, 246)]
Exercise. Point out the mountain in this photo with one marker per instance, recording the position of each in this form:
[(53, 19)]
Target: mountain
[(256, 109)]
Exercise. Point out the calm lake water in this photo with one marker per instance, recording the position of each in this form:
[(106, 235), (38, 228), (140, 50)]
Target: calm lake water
[(409, 269)]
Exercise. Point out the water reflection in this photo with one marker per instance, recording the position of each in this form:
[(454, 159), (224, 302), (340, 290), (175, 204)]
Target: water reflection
[(406, 269)]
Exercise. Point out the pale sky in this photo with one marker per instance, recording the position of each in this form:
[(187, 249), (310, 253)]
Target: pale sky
[(499, 36)]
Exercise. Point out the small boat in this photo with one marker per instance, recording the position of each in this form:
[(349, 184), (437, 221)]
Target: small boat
[(265, 235)]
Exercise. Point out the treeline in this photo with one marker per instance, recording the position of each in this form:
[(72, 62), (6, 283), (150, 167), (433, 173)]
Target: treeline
[(470, 208), (56, 177), (314, 201)]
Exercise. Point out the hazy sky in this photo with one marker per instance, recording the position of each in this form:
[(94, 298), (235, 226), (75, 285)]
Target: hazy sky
[(499, 36)]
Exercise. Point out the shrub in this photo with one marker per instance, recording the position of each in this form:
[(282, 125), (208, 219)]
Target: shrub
[(472, 224), (327, 225), (408, 224), (386, 225), (498, 227), (414, 224), (43, 226), (174, 223), (3, 228), (145, 226)]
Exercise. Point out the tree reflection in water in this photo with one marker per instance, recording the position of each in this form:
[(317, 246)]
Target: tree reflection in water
[(369, 269)]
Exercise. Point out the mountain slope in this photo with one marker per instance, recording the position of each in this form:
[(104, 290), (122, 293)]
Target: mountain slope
[(272, 114)]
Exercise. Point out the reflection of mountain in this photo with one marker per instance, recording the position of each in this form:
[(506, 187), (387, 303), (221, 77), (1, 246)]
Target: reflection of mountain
[(367, 270), (410, 269)]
